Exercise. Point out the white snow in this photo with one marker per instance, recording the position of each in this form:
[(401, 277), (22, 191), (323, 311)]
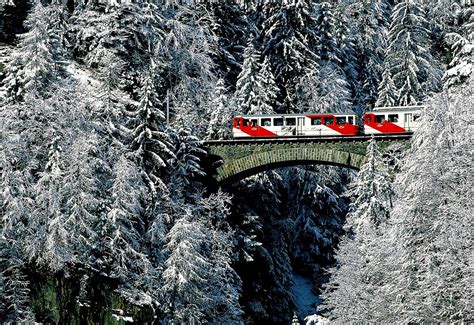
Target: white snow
[(306, 301)]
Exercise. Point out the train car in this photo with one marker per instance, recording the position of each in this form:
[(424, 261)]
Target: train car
[(295, 125), (392, 120)]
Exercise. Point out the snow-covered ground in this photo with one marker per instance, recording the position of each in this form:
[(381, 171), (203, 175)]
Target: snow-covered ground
[(306, 301)]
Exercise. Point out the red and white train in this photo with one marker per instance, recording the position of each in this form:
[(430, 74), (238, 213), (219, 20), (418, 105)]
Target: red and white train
[(382, 120)]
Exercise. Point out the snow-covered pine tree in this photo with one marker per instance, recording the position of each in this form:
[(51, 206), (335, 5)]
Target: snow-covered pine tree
[(224, 284), (431, 232), (413, 69), (149, 140), (327, 49), (15, 209), (461, 67), (289, 38), (84, 201), (345, 43), (269, 89), (368, 24), (220, 112), (256, 91), (120, 253), (388, 93), (323, 91), (15, 297), (50, 246), (31, 67), (58, 27), (247, 89), (185, 69), (188, 149), (186, 167), (185, 273), (229, 26), (352, 292)]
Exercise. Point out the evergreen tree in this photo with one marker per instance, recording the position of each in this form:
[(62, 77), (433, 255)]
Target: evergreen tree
[(83, 202), (352, 291), (388, 93), (325, 28), (327, 89), (121, 251), (288, 41), (16, 292), (150, 142), (256, 89), (368, 23), (32, 65), (186, 273), (220, 112), (427, 274), (461, 67), (414, 71), (247, 84), (50, 245), (229, 27), (268, 88)]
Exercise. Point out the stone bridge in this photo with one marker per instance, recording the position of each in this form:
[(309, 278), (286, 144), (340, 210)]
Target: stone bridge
[(237, 159)]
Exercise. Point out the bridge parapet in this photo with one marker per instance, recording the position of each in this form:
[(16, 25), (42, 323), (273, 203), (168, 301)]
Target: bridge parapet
[(241, 159)]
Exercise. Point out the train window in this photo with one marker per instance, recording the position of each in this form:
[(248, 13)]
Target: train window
[(340, 120), (291, 121), (379, 118), (246, 122), (369, 119), (393, 118), (265, 122), (237, 121), (351, 120), (278, 122), (316, 121), (254, 122), (328, 121)]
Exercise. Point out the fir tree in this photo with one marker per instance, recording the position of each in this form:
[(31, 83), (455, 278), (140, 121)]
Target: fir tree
[(289, 37), (150, 142), (50, 246), (247, 91), (83, 202), (427, 274), (353, 285), (414, 71), (368, 23), (120, 252), (388, 93), (461, 67), (186, 273), (220, 112), (32, 65), (229, 27)]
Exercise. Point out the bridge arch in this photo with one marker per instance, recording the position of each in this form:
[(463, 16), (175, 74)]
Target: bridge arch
[(243, 160)]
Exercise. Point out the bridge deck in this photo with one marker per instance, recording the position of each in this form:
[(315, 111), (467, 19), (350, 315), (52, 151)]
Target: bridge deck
[(279, 140)]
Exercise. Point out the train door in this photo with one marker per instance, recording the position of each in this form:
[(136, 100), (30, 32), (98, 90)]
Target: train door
[(300, 126), (408, 121)]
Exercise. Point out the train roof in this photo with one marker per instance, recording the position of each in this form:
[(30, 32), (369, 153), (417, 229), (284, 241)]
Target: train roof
[(397, 109), (297, 115)]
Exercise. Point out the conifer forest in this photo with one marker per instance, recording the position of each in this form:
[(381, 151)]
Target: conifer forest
[(108, 210)]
